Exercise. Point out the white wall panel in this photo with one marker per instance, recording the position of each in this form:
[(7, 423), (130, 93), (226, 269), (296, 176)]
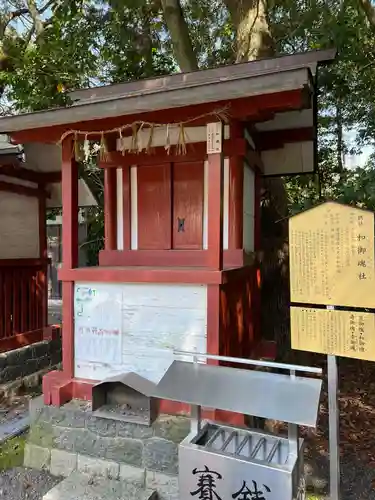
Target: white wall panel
[(19, 226), (293, 158), (225, 205), (248, 209), (120, 209), (153, 320), (133, 208)]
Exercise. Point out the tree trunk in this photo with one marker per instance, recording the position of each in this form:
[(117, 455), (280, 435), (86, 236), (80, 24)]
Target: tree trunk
[(369, 10), (253, 41), (179, 31), (253, 35), (339, 141)]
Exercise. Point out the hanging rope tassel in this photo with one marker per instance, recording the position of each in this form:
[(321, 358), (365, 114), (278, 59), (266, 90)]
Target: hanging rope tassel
[(121, 142), (150, 139), (139, 141), (181, 141), (103, 147), (167, 146), (134, 141)]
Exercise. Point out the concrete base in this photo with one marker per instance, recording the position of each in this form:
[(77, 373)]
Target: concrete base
[(85, 487), (71, 440), (24, 367), (11, 390)]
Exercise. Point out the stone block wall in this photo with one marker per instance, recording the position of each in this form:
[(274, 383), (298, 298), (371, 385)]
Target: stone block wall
[(70, 438), (20, 364)]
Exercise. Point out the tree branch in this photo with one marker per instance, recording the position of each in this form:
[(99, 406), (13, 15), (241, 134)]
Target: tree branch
[(34, 13), (179, 31), (8, 18), (369, 9)]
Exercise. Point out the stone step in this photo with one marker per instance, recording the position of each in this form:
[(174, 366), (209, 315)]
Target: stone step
[(79, 486)]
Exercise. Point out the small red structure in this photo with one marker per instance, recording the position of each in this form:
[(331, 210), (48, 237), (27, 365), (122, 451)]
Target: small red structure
[(183, 157), (27, 189), (23, 252)]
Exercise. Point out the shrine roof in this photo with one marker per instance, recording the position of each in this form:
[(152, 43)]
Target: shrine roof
[(175, 91)]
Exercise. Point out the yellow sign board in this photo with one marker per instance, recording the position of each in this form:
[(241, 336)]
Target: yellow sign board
[(332, 256), (340, 333)]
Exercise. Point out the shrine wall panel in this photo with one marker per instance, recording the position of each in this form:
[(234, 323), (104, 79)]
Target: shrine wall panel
[(188, 179), (136, 327), (19, 226), (147, 195), (154, 207), (239, 316)]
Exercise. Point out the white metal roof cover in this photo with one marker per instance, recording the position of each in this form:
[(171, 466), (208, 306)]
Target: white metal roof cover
[(256, 393)]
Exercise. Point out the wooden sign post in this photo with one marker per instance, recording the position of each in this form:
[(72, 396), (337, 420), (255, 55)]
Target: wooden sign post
[(332, 278)]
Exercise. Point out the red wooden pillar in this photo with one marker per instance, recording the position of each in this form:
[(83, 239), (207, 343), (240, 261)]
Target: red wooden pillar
[(110, 209), (69, 182), (215, 201), (215, 180)]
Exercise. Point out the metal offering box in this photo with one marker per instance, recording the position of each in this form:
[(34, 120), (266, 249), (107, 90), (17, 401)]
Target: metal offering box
[(221, 462)]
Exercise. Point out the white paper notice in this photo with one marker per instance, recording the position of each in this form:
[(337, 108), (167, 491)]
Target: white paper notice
[(97, 315)]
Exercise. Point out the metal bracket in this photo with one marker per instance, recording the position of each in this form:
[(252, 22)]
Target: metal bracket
[(180, 225)]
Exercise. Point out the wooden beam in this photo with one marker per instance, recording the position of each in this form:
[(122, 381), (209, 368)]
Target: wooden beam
[(248, 108), (18, 172), (9, 187), (50, 177), (168, 258), (136, 274), (195, 152), (39, 263), (21, 340), (275, 139)]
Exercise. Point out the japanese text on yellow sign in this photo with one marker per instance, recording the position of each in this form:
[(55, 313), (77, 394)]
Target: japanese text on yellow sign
[(340, 333), (332, 256)]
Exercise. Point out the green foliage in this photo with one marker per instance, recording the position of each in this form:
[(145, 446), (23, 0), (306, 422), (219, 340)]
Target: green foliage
[(11, 453)]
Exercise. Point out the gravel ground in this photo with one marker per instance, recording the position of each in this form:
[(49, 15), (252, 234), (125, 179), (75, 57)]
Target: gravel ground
[(357, 479), (25, 484)]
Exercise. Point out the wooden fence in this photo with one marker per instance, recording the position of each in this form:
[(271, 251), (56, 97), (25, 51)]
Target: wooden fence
[(23, 302)]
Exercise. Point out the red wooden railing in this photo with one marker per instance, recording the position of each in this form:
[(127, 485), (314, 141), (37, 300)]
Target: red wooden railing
[(23, 300)]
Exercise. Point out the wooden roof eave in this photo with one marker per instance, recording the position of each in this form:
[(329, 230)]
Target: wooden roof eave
[(116, 106)]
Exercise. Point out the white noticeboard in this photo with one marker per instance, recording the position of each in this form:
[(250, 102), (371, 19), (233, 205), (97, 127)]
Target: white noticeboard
[(97, 318), (135, 327)]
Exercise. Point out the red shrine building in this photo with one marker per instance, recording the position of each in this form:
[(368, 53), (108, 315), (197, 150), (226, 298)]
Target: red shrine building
[(183, 159)]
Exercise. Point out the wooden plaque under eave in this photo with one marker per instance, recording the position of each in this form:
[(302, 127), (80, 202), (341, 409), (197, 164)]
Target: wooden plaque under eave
[(340, 333), (332, 256)]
